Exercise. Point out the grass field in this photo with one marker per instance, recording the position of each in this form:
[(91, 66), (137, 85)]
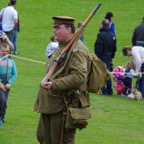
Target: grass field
[(114, 120)]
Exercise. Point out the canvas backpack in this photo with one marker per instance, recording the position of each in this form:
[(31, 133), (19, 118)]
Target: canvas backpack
[(98, 74)]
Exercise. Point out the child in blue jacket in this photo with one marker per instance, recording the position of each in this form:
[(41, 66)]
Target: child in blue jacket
[(8, 74)]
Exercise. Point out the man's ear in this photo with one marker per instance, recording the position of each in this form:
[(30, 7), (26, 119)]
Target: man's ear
[(68, 30)]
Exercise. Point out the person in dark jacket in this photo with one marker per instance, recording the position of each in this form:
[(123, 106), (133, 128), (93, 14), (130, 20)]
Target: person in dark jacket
[(105, 48), (109, 16), (138, 35)]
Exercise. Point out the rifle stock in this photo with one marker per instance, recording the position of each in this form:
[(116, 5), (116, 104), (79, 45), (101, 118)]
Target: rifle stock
[(68, 46)]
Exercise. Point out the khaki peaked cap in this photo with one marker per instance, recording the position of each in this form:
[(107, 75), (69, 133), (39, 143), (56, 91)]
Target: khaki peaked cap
[(58, 20)]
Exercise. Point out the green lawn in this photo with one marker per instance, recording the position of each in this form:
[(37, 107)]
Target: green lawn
[(114, 120)]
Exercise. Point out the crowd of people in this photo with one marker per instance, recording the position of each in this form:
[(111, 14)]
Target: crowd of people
[(54, 95), (67, 88), (105, 47)]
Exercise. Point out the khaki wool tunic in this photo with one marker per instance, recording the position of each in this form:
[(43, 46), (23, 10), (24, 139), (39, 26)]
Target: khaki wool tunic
[(73, 76)]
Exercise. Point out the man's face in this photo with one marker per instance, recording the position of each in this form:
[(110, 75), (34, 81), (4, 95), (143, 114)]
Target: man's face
[(61, 33), (101, 26), (129, 53)]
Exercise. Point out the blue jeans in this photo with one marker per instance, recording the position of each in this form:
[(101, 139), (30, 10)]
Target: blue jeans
[(128, 86), (3, 103), (107, 89), (10, 35), (15, 40), (141, 82)]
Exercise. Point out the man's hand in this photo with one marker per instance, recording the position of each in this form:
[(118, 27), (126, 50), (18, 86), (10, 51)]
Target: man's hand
[(46, 85)]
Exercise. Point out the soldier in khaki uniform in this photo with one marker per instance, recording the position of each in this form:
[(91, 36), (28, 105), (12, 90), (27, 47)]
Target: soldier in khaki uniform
[(70, 75)]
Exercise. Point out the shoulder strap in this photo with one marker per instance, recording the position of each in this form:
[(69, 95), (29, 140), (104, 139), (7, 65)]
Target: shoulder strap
[(67, 58)]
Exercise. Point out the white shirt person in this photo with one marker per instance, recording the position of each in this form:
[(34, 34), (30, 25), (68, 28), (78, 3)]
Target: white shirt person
[(52, 46)]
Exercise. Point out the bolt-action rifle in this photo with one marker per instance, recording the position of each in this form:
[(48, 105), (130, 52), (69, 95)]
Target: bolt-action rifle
[(68, 46)]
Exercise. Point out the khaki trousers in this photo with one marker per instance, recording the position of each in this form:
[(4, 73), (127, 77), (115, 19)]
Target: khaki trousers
[(49, 130)]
